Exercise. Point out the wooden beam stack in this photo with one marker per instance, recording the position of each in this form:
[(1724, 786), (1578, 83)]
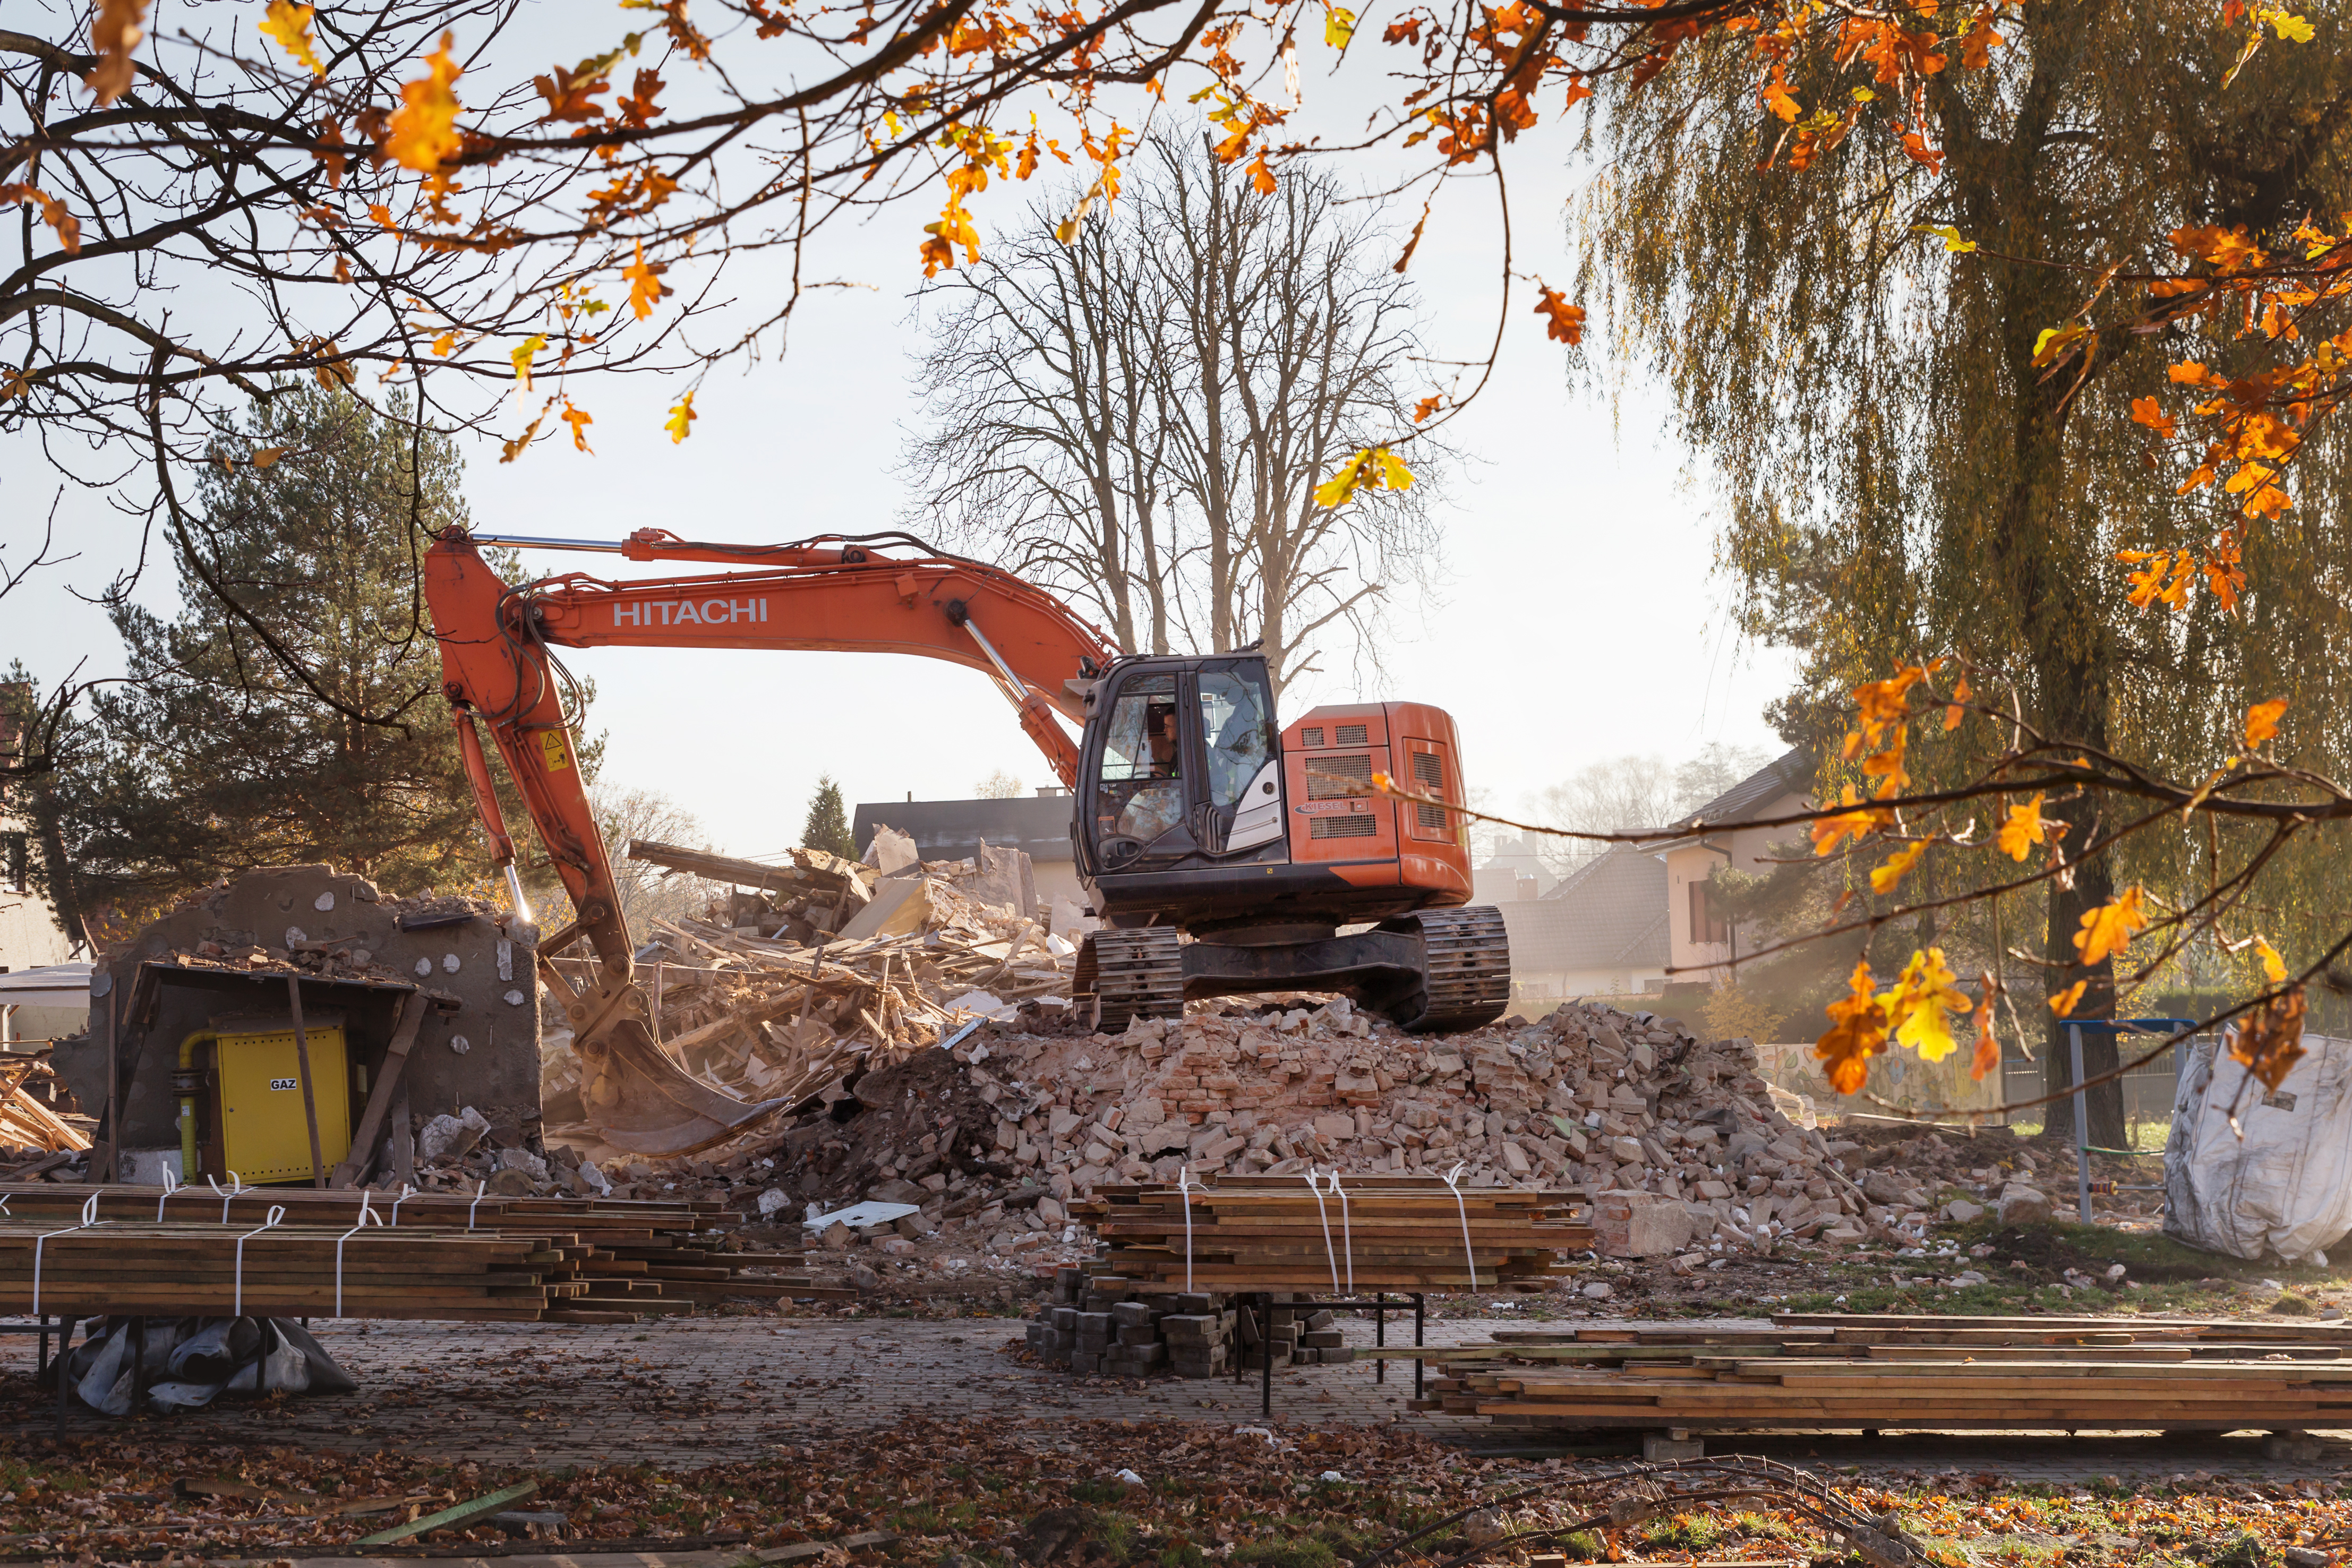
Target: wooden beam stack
[(1393, 1233), (1834, 1371), (614, 1260)]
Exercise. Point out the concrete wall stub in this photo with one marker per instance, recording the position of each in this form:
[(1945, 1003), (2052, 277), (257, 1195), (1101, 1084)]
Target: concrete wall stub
[(478, 1046)]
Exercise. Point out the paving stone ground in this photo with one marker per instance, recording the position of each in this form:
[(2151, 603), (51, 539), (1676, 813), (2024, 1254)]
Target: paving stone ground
[(687, 1392)]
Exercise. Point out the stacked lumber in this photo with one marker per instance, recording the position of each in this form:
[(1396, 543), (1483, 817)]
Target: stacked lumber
[(620, 1259), (25, 1123), (171, 1269), (1838, 1371), (1394, 1233)]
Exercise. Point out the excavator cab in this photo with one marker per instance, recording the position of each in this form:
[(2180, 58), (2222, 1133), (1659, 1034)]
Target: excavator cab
[(1198, 815)]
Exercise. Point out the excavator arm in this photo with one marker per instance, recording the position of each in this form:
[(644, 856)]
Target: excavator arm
[(827, 593)]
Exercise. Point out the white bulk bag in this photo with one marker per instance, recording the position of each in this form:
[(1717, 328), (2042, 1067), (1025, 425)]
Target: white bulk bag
[(2282, 1190)]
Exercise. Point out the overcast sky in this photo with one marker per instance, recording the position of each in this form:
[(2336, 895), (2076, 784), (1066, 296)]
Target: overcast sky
[(1577, 617)]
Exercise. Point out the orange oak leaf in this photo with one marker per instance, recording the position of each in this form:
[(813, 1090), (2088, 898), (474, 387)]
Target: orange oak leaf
[(114, 32), (424, 130), (1857, 1032), (2025, 828), (579, 419), (646, 288), (1887, 876), (2269, 1040), (1987, 1057), (2063, 1002), (2108, 929), (2262, 720), (1563, 323)]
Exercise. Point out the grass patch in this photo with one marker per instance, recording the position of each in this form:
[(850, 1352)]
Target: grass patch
[(2293, 1304), (1754, 1526), (1683, 1532)]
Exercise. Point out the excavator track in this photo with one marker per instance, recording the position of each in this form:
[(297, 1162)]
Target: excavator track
[(1134, 973), (1466, 977)]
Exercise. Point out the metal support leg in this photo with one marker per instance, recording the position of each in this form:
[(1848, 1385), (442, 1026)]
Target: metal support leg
[(1381, 1336), (65, 1383), (138, 1362), (1266, 1355), (1420, 1327), (2082, 1128)]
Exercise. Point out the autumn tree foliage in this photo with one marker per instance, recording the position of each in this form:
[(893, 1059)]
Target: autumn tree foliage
[(1953, 413)]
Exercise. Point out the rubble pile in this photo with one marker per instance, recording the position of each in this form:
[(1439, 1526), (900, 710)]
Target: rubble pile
[(1679, 1141)]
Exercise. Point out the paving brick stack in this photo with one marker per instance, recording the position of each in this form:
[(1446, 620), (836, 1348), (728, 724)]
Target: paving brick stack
[(1188, 1334)]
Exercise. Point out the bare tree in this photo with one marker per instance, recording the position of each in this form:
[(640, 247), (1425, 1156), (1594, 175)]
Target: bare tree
[(1142, 418), (1619, 795)]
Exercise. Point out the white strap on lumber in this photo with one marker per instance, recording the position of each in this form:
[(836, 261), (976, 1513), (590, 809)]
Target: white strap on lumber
[(1347, 1240), (1184, 1193), (1469, 1255), (479, 1190), (236, 1186), (171, 1186), (88, 1219), (406, 1192), (367, 1217), (236, 1307), (1320, 1213)]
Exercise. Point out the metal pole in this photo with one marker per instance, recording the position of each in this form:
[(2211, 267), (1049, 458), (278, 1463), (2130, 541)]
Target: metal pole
[(310, 1097), (1266, 1354), (1420, 1321), (2082, 1128), (1381, 1337)]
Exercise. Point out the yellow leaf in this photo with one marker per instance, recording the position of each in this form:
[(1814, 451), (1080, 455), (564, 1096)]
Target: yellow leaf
[(2262, 720), (1373, 469), (2288, 26), (2273, 966), (443, 344), (267, 455), (579, 419), (1953, 712), (2063, 1002), (288, 25), (1919, 1007), (1338, 26), (2057, 342), (1949, 234), (682, 419), (2108, 929), (522, 357), (1897, 866), (424, 128), (2026, 827)]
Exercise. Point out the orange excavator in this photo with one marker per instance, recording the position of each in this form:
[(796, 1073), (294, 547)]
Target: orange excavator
[(1224, 852)]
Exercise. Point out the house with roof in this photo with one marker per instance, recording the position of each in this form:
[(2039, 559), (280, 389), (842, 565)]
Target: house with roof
[(1701, 942), (1601, 931), (46, 996)]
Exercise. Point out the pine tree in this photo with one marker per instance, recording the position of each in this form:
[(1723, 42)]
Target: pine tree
[(827, 827), (211, 759)]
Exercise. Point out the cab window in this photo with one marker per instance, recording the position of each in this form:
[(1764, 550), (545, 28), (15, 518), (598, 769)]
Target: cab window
[(1141, 794), (1233, 723)]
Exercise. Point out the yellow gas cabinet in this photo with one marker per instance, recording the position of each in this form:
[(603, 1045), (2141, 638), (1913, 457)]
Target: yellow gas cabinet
[(240, 1092)]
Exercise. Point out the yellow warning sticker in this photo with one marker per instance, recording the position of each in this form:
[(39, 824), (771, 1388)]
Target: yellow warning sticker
[(550, 744)]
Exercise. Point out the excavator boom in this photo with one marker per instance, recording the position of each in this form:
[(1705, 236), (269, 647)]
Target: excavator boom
[(828, 593)]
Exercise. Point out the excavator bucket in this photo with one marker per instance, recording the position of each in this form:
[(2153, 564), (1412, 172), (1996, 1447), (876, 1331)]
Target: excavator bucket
[(640, 1100)]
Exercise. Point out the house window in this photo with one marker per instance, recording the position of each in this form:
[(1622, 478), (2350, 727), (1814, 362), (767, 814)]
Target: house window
[(15, 861), (1705, 924)]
